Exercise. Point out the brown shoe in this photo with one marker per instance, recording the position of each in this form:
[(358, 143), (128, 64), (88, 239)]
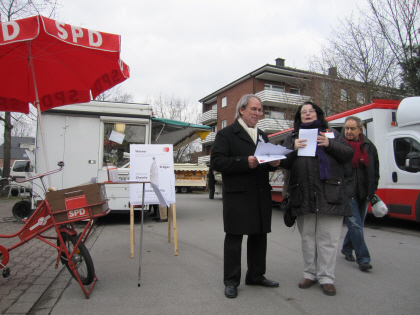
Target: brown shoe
[(306, 283), (328, 289)]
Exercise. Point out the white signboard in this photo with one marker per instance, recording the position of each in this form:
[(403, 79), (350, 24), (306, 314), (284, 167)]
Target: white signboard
[(156, 159)]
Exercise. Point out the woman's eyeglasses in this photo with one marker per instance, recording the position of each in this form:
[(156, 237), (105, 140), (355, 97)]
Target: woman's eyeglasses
[(306, 111)]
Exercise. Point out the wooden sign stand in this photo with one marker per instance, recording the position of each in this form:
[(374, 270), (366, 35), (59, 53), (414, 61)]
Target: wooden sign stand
[(173, 208)]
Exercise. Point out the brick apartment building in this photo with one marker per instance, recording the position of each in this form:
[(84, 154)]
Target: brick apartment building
[(281, 90)]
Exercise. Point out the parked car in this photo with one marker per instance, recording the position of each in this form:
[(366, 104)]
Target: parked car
[(21, 169)]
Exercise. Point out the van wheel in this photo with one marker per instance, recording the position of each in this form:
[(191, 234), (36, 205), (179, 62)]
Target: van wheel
[(184, 190), (176, 189)]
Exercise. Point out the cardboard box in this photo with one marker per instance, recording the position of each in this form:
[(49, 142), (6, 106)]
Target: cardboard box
[(77, 197)]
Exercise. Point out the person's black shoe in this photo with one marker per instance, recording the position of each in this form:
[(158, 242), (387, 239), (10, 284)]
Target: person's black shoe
[(231, 291), (156, 219), (348, 257), (365, 266), (264, 283), (162, 220)]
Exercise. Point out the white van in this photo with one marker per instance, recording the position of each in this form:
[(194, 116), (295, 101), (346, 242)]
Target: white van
[(394, 128), (19, 170)]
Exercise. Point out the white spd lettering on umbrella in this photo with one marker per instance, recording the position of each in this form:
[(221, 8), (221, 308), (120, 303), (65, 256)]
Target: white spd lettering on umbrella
[(77, 32), (10, 30)]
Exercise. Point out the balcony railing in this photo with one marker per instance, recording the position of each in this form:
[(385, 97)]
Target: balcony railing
[(208, 117), (271, 125), (280, 99), (209, 139), (205, 159)]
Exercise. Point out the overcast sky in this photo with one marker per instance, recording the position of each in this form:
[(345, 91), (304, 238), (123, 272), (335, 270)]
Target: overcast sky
[(191, 48)]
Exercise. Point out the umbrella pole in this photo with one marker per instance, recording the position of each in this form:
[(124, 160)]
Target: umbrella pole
[(31, 65)]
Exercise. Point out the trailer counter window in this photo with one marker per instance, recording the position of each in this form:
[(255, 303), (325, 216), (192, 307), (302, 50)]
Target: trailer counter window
[(117, 140)]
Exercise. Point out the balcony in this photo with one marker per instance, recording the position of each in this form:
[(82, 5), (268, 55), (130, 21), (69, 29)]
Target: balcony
[(208, 117), (281, 99), (205, 159), (271, 125), (209, 139)]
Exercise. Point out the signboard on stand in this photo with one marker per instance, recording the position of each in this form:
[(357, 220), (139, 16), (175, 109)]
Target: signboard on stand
[(155, 159)]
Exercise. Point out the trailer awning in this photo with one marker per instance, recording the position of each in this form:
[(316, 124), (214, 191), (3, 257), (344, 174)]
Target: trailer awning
[(177, 133)]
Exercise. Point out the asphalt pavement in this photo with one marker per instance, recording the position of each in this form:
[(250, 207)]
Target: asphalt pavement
[(191, 283)]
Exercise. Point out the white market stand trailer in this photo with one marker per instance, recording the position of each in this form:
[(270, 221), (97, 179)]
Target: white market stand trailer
[(89, 137), (394, 128), (189, 176)]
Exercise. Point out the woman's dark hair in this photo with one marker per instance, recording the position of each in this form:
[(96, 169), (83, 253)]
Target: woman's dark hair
[(319, 113)]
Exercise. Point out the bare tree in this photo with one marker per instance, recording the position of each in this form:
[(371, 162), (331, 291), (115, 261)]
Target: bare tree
[(363, 61), (12, 10), (398, 22), (172, 107), (115, 94), (24, 125)]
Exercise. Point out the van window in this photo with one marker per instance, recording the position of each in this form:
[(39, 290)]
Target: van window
[(117, 140), (22, 166), (403, 146)]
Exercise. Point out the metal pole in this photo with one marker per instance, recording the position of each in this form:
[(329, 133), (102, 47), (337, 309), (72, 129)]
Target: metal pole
[(141, 232), (31, 65)]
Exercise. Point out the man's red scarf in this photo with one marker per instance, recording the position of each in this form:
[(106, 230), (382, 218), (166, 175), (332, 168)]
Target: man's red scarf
[(360, 156)]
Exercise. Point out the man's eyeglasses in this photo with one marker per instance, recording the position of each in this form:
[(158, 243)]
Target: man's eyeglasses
[(255, 110), (306, 111)]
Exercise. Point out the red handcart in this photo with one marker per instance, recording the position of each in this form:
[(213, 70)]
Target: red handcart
[(59, 211)]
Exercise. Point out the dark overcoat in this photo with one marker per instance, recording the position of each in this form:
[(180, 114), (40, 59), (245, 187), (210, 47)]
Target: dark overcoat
[(246, 192)]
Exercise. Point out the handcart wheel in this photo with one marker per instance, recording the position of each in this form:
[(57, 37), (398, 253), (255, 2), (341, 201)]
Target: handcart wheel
[(81, 258), (21, 209)]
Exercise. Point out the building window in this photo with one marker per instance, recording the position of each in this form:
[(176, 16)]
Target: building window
[(214, 128), (273, 87), (224, 101), (214, 106), (360, 98), (294, 91), (223, 124), (344, 96), (273, 114)]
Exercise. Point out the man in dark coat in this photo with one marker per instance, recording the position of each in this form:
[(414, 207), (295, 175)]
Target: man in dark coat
[(246, 195), (361, 187)]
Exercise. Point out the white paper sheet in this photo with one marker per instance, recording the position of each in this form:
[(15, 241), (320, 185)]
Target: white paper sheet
[(116, 137), (266, 152), (310, 135)]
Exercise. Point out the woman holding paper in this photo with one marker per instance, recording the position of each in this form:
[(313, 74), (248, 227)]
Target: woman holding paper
[(317, 194)]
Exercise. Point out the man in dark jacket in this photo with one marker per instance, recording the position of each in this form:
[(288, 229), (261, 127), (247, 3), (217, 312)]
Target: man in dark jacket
[(246, 195), (363, 182)]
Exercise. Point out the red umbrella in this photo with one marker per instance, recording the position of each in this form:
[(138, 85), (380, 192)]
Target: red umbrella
[(49, 64)]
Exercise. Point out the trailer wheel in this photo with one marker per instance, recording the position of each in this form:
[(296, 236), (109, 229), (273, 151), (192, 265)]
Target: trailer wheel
[(21, 209), (184, 190), (176, 190)]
